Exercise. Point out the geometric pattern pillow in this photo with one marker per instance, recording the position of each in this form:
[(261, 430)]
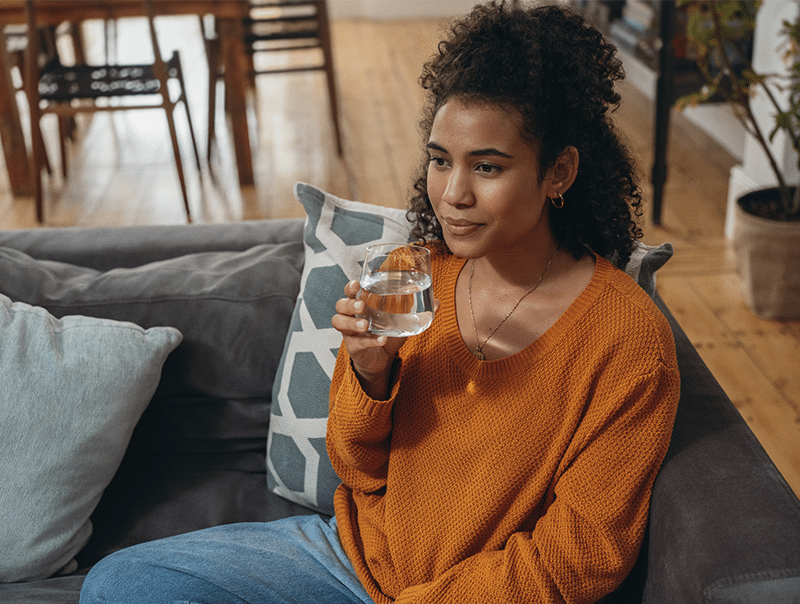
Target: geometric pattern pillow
[(645, 261), (71, 392), (335, 238)]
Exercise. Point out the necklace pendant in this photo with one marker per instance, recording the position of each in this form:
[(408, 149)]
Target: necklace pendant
[(479, 354)]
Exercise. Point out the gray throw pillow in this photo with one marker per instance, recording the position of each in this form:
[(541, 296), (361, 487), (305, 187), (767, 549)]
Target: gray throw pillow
[(72, 392)]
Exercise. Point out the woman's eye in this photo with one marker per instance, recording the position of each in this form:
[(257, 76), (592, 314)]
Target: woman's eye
[(487, 168)]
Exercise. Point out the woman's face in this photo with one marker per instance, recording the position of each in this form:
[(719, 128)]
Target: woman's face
[(483, 182)]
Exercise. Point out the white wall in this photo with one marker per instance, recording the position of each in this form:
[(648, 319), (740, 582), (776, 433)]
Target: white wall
[(397, 9)]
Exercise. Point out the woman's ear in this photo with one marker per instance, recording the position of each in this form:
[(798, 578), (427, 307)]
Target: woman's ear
[(563, 172)]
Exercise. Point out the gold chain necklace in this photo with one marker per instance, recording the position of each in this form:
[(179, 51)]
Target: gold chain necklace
[(479, 351)]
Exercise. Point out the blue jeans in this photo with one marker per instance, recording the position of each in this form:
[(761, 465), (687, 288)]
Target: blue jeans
[(291, 561)]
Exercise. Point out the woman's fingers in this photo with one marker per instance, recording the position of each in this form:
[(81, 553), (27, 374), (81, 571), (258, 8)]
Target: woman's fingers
[(351, 289), (346, 322), (348, 306)]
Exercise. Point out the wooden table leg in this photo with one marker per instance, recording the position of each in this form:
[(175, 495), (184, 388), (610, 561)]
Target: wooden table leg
[(233, 51), (11, 134)]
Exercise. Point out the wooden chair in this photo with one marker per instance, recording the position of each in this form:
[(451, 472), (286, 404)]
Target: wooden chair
[(282, 26), (16, 41), (70, 90)]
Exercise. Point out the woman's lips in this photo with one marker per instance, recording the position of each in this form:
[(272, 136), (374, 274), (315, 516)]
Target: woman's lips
[(460, 227)]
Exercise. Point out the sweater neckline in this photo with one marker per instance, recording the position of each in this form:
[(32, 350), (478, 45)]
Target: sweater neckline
[(518, 361)]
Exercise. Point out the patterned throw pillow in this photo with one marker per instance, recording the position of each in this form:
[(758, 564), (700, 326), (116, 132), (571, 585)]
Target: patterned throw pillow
[(645, 261), (337, 233)]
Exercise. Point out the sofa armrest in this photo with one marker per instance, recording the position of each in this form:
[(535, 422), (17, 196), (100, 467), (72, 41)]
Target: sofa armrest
[(724, 525), (104, 248)]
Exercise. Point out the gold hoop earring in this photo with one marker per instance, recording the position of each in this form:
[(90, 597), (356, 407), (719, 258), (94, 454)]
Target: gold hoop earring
[(560, 203)]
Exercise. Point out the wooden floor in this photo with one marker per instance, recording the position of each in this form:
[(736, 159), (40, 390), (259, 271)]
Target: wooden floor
[(123, 173)]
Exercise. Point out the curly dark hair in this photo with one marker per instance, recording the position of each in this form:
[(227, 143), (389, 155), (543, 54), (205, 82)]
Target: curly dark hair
[(558, 73)]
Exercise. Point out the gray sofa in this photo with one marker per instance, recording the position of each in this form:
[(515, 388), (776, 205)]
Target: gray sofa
[(724, 526)]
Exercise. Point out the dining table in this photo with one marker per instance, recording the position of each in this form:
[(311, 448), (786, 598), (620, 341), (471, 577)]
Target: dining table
[(228, 14)]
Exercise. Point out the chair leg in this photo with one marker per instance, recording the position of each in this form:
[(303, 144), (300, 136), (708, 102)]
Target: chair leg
[(17, 59), (212, 55), (45, 157), (63, 135), (334, 106), (38, 161), (191, 131), (212, 115), (327, 52), (38, 196), (178, 163), (185, 100)]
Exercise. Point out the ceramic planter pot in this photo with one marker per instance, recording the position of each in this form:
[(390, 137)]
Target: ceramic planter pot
[(768, 256)]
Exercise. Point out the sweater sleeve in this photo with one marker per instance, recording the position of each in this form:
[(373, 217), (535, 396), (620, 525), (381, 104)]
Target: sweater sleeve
[(589, 538), (359, 429)]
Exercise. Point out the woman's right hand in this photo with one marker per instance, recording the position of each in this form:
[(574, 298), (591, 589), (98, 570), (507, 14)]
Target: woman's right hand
[(372, 356)]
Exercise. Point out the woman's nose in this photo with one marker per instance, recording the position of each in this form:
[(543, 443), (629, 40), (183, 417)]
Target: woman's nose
[(457, 191)]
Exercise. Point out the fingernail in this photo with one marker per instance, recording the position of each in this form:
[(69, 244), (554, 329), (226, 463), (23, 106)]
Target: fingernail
[(359, 306), (362, 325)]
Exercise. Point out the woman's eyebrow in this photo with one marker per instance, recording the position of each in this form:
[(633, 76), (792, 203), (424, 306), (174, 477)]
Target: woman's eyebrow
[(490, 151)]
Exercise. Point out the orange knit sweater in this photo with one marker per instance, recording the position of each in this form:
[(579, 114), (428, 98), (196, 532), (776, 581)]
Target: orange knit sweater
[(525, 479)]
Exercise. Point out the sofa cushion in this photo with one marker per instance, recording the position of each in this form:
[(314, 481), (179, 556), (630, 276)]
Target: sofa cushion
[(336, 235), (210, 297), (55, 590), (72, 392), (197, 456)]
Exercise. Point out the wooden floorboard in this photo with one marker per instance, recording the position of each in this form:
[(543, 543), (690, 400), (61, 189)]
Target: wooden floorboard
[(122, 173)]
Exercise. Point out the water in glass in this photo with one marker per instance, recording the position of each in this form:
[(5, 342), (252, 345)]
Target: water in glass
[(397, 303), (396, 289)]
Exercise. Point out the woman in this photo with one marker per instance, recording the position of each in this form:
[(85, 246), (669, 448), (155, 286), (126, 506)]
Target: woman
[(506, 454)]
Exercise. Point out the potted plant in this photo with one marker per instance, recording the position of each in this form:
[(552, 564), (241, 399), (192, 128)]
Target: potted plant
[(767, 223)]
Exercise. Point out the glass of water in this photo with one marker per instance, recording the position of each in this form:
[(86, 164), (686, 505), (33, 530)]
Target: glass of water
[(396, 289)]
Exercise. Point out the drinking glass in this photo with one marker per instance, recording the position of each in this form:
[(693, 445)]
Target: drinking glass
[(396, 289)]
